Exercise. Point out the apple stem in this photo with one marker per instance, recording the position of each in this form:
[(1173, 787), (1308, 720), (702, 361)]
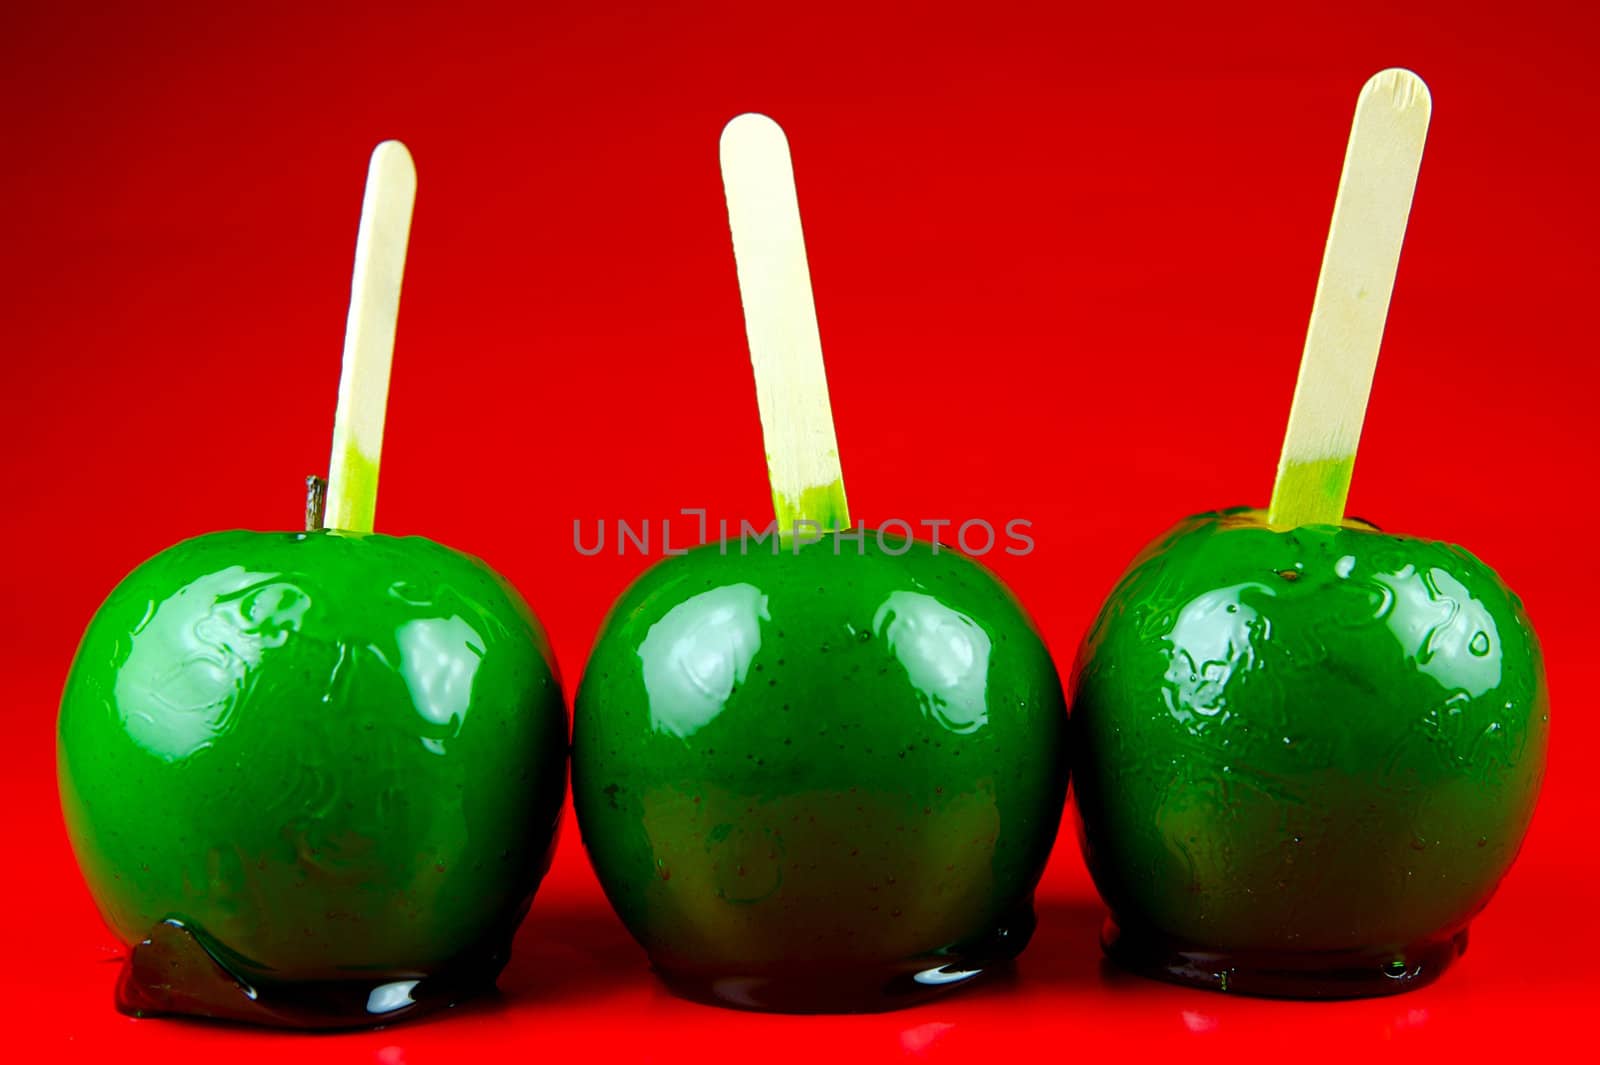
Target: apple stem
[(369, 338), (316, 502), (780, 320), (1352, 300)]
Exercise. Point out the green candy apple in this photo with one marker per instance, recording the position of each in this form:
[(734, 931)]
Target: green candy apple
[(821, 779), (1303, 758), (315, 777)]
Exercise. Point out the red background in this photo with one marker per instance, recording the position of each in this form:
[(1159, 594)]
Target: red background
[(1063, 259)]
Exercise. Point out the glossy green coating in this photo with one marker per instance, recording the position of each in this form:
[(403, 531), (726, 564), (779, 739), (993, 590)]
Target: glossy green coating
[(332, 756), (1304, 750), (806, 778)]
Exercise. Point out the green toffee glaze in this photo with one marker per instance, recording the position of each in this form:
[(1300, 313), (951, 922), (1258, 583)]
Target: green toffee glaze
[(823, 779), (1304, 758), (328, 757)]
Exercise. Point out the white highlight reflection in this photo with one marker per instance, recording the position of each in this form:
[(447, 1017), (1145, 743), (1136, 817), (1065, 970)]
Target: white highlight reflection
[(386, 998), (945, 655), (698, 653), (438, 659)]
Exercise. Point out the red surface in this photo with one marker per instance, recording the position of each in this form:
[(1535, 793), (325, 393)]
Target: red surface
[(1063, 262)]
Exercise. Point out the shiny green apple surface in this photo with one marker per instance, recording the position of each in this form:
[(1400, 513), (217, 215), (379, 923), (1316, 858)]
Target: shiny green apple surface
[(823, 779), (328, 757), (1304, 758)]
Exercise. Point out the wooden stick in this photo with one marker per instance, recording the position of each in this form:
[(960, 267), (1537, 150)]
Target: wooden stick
[(780, 321), (1352, 300), (369, 339)]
